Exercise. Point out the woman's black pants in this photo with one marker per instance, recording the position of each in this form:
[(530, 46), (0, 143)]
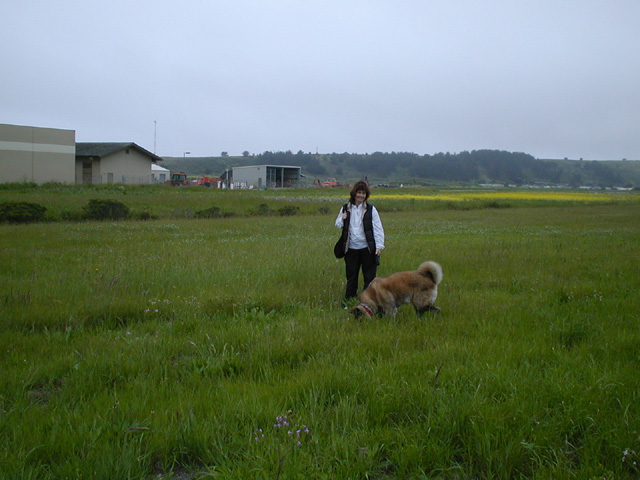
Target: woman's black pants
[(355, 260)]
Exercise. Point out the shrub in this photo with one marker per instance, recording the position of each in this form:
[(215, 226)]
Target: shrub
[(19, 186), (21, 212), (105, 210), (182, 213), (212, 212), (264, 210), (288, 210), (144, 214)]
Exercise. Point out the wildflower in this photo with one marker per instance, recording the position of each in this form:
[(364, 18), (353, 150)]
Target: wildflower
[(281, 421), (631, 456)]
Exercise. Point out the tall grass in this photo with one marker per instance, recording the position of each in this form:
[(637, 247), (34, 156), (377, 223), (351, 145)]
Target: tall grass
[(169, 348), (65, 202)]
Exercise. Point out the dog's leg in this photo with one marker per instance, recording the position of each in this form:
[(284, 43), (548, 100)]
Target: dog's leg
[(390, 310)]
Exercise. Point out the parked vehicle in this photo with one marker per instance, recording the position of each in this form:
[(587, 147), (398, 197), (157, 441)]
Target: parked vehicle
[(178, 179), (329, 182), (207, 181)]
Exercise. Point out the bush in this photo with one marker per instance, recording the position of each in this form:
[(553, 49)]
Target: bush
[(144, 214), (212, 212), (105, 210), (19, 186), (21, 212), (288, 210), (264, 210)]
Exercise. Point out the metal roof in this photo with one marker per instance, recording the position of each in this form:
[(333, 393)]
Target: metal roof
[(269, 165), (104, 149)]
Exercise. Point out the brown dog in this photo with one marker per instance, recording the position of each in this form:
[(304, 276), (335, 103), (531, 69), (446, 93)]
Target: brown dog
[(384, 295)]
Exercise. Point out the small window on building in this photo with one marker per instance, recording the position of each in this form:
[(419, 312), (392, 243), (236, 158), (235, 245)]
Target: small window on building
[(127, 151)]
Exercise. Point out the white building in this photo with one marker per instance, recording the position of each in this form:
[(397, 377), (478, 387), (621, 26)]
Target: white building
[(160, 174), (266, 176), (126, 163)]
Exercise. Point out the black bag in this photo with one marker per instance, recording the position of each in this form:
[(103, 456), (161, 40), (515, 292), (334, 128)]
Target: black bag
[(340, 248)]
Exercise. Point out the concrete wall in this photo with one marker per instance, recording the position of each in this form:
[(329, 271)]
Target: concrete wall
[(127, 166), (34, 154), (249, 177), (266, 176)]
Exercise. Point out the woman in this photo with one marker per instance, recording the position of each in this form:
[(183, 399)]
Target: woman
[(365, 239)]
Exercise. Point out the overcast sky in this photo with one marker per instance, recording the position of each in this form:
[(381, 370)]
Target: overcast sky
[(553, 78)]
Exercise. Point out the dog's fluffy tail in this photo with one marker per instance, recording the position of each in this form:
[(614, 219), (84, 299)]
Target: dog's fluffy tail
[(432, 270)]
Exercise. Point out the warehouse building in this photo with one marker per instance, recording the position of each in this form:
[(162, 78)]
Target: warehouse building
[(266, 176), (38, 155)]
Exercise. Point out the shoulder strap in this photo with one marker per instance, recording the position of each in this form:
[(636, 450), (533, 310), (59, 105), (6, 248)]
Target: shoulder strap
[(346, 222)]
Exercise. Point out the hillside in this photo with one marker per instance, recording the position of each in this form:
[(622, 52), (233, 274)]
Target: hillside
[(464, 168)]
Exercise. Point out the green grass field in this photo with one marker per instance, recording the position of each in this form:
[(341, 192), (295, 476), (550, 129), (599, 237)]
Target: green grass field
[(168, 348)]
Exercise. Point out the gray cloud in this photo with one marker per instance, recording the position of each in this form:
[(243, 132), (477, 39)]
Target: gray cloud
[(554, 79)]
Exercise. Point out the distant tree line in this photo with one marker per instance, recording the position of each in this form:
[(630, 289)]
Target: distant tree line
[(476, 166), (465, 168)]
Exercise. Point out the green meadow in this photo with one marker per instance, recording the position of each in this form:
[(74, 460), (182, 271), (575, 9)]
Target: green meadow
[(182, 347)]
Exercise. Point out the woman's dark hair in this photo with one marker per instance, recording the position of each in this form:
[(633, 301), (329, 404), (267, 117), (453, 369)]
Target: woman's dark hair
[(360, 185)]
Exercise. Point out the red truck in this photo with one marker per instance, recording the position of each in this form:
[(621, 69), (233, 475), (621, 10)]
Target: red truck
[(331, 182), (207, 181)]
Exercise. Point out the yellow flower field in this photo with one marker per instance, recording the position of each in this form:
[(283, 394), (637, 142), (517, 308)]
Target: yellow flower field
[(460, 196)]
